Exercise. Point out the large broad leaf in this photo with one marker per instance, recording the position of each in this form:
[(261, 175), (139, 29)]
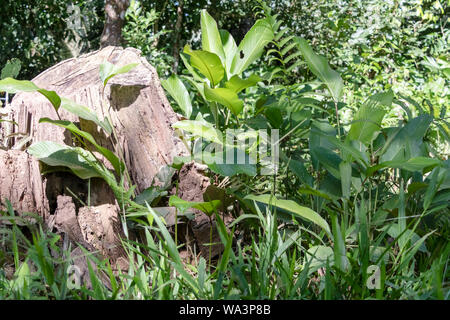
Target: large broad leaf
[(76, 159), (178, 91), (200, 129), (319, 66), (230, 49), (51, 96), (237, 84), (198, 85), (407, 142), (252, 46), (84, 112), (210, 35), (321, 148), (329, 160), (226, 97), (345, 171), (413, 164), (13, 86), (347, 150), (319, 257), (207, 63), (108, 70), (207, 207), (298, 168), (111, 157), (292, 207), (191, 69), (367, 120), (219, 163)]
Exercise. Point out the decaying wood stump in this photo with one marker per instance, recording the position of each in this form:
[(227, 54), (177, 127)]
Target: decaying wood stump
[(139, 110), (192, 186), (141, 117)]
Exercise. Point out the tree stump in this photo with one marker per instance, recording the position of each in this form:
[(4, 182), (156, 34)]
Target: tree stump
[(141, 117)]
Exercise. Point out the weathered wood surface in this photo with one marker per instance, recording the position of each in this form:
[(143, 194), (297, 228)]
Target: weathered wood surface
[(141, 117), (139, 110), (21, 183)]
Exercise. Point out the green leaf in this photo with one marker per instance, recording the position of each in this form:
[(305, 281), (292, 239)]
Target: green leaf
[(320, 129), (237, 84), (211, 40), (84, 112), (229, 48), (329, 159), (201, 129), (22, 279), (413, 164), (406, 258), (298, 168), (171, 248), (226, 97), (293, 207), (52, 96), (111, 157), (178, 91), (347, 150), (206, 207), (149, 195), (191, 70), (407, 142), (218, 163), (13, 86), (367, 120), (345, 170), (435, 182), (319, 257), (207, 63), (108, 70), (252, 46), (340, 257), (319, 66), (77, 159)]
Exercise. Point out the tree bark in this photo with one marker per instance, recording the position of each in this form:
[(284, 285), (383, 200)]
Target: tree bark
[(114, 19), (140, 115), (178, 25)]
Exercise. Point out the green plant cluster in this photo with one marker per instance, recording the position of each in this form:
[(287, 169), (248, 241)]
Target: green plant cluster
[(357, 210)]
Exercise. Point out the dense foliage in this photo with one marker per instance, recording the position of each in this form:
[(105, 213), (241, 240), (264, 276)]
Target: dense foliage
[(358, 93)]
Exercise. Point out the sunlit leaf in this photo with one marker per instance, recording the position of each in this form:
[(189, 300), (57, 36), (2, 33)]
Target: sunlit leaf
[(109, 70), (319, 66), (252, 46), (178, 91), (207, 63), (293, 207), (225, 97)]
